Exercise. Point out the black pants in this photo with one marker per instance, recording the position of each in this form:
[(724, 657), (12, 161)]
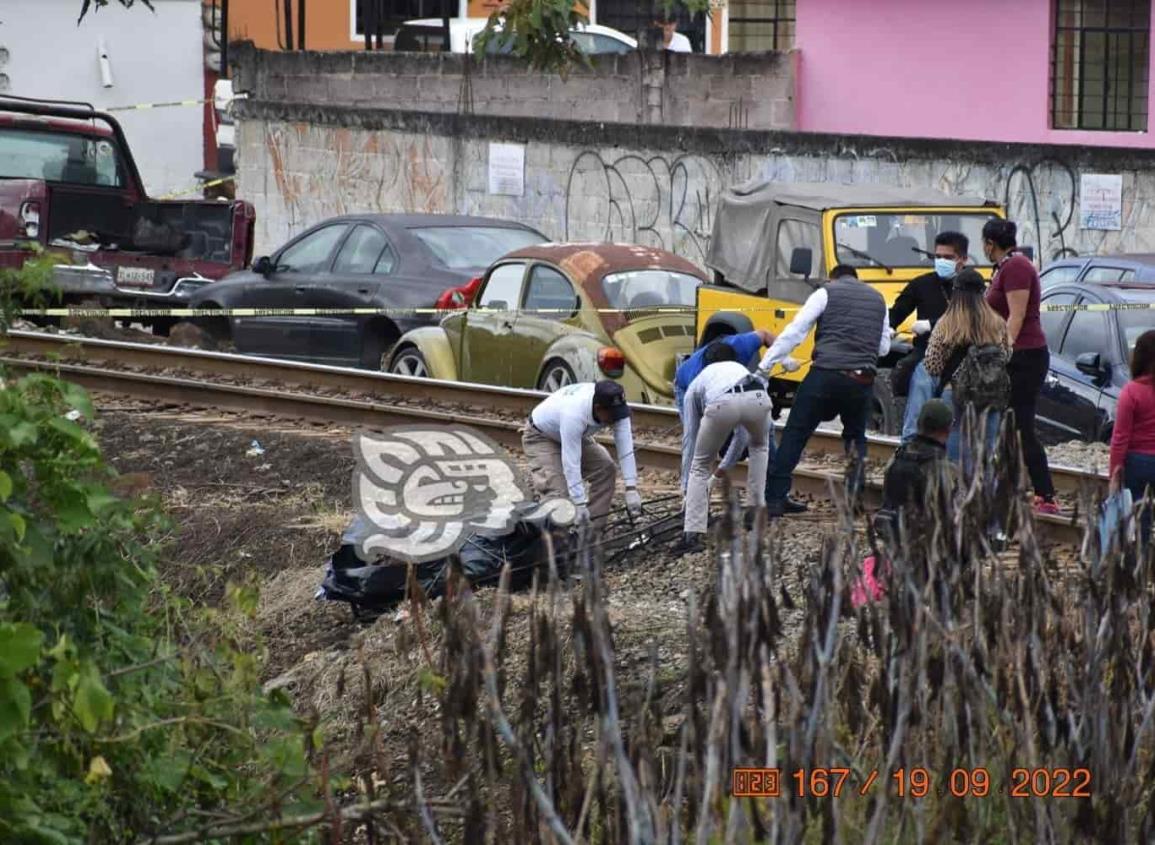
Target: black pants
[(823, 395), (1028, 370)]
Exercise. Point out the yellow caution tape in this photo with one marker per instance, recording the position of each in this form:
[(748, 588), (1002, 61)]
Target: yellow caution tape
[(169, 105), (441, 312), (1101, 306)]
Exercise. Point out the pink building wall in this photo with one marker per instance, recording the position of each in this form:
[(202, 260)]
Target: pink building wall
[(968, 69)]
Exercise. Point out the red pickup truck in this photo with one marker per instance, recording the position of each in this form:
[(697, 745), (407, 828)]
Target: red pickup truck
[(68, 182)]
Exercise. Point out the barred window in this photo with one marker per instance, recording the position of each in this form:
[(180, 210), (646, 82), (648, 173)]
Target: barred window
[(1099, 64), (761, 25)]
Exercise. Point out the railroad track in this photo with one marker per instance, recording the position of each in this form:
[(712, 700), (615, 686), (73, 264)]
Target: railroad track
[(73, 358)]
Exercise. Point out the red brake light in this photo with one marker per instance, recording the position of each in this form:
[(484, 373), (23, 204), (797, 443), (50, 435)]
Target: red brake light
[(452, 298), (611, 361), (460, 296)]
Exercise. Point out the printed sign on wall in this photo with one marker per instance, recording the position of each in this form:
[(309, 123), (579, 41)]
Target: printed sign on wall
[(507, 169), (1101, 201)]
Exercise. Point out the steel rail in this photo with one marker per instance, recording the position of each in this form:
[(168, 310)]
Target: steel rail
[(370, 414), (369, 382)]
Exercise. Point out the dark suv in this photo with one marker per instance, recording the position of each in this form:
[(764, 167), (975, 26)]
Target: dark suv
[(1090, 355)]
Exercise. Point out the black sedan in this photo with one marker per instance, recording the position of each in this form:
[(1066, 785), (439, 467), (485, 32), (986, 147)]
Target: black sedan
[(398, 261), (1090, 356)]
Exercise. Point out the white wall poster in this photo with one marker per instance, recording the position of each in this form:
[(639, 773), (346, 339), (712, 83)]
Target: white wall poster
[(507, 169), (1101, 201)]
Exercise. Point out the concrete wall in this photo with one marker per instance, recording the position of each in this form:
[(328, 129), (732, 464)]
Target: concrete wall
[(753, 90), (652, 185), (156, 57), (975, 69)]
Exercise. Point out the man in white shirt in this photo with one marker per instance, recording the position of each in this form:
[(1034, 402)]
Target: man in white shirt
[(853, 332), (723, 399), (558, 442), (673, 40)]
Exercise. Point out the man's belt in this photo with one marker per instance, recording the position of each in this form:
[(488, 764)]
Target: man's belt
[(747, 384), (862, 376)]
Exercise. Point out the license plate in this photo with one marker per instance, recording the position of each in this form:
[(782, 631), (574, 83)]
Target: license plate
[(135, 276)]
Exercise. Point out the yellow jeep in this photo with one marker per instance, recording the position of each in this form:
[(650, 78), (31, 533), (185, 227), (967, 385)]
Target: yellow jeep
[(772, 243)]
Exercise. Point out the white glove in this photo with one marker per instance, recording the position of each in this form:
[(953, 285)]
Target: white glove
[(921, 327), (581, 515), (633, 501), (790, 365)]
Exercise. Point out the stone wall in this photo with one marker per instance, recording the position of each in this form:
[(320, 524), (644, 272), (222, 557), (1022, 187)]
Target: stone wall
[(753, 90), (645, 184)]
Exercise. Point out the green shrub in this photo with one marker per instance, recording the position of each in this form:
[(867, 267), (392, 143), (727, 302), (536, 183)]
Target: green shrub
[(121, 709)]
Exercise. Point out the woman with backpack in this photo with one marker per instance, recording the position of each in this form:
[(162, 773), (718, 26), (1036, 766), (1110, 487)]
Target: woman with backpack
[(1015, 293), (967, 355), (1133, 437)]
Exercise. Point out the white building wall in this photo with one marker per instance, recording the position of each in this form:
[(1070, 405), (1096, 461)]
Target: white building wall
[(155, 57)]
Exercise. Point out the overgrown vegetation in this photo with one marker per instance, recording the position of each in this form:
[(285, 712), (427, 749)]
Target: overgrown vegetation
[(989, 697), (123, 711)]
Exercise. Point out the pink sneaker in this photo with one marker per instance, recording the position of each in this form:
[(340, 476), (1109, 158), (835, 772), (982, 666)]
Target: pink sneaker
[(1043, 506)]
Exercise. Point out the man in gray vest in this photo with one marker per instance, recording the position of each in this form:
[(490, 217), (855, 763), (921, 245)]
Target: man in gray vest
[(853, 332)]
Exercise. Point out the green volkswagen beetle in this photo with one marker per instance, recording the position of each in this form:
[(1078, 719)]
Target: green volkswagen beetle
[(554, 314)]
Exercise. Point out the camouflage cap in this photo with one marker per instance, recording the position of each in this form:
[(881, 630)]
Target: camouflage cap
[(935, 415)]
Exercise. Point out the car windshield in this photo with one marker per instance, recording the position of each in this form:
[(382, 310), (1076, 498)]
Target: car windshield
[(885, 239), (59, 157), (1133, 323), (474, 247), (650, 288)]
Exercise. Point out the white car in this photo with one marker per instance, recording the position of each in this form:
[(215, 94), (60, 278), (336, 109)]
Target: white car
[(427, 35)]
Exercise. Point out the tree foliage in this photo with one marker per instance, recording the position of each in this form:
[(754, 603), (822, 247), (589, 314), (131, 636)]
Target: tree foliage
[(122, 708), (85, 5)]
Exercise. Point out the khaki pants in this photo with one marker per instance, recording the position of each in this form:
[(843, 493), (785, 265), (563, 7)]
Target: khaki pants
[(751, 411), (545, 470)]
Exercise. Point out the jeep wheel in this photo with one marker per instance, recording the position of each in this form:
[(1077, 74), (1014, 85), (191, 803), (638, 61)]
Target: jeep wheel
[(887, 410), (410, 362), (556, 375)]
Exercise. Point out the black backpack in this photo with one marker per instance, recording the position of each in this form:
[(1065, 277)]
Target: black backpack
[(978, 376)]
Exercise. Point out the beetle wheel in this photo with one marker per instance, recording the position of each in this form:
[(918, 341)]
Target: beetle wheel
[(556, 375), (410, 362)]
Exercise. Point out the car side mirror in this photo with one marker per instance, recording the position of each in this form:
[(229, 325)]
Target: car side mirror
[(1028, 252), (263, 266), (1091, 364), (801, 261)]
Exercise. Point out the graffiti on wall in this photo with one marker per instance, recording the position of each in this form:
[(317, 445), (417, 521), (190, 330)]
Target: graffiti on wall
[(1041, 198), (299, 174), (651, 200), (321, 172)]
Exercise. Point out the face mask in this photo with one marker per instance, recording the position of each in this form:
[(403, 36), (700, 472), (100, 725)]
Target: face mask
[(945, 267)]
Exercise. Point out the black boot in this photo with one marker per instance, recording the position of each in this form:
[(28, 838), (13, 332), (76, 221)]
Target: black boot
[(794, 506), (691, 543)]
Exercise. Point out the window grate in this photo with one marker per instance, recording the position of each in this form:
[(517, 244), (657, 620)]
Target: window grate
[(1100, 60), (761, 25)]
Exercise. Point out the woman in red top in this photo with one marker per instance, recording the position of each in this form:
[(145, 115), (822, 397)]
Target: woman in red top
[(1014, 293), (1133, 438)]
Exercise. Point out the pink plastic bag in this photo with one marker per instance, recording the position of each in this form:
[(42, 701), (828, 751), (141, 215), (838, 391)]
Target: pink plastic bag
[(870, 587)]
